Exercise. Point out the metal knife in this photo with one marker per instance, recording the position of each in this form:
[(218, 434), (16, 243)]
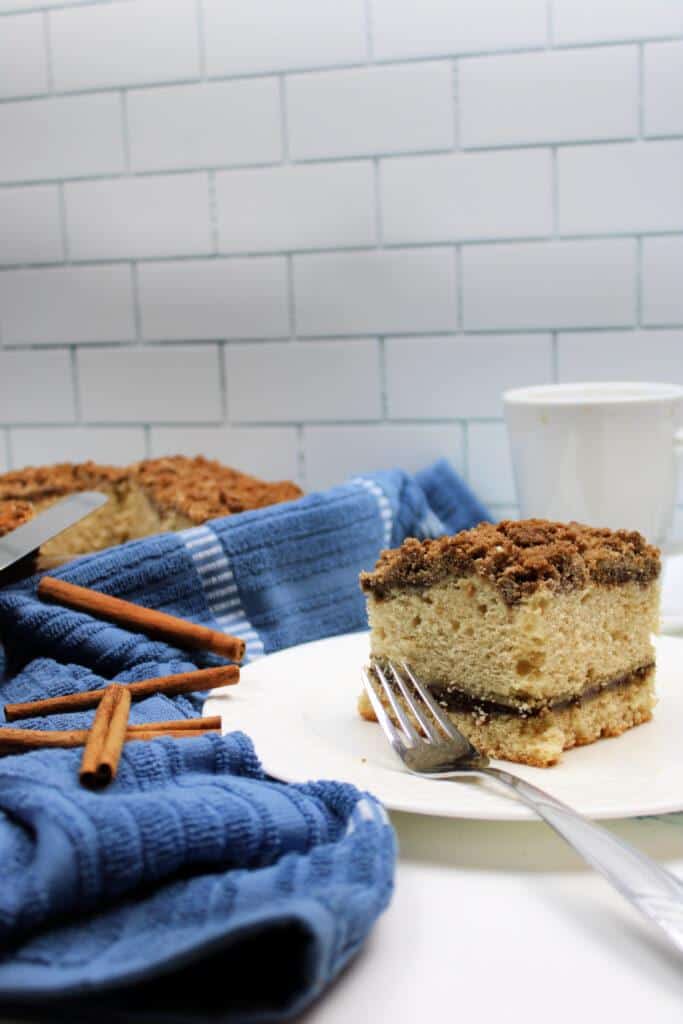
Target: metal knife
[(19, 546)]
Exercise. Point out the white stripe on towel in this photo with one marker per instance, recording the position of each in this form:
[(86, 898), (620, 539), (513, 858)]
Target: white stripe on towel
[(383, 503), (219, 587)]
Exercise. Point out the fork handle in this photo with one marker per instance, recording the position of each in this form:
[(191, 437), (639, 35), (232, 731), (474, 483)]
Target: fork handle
[(656, 892)]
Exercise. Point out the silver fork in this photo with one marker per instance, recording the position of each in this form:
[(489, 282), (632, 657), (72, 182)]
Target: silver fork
[(440, 751)]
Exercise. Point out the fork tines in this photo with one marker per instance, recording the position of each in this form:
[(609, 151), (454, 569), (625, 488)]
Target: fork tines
[(433, 722)]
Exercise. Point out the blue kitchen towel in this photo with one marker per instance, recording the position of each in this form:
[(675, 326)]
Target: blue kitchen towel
[(195, 887)]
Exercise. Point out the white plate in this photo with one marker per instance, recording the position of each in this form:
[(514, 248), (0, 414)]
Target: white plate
[(299, 707)]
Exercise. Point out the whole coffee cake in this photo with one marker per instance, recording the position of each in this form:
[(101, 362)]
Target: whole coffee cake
[(147, 497), (534, 636)]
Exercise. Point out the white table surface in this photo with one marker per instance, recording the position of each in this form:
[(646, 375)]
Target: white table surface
[(503, 922)]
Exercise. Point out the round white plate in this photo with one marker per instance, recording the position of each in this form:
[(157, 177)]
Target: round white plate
[(299, 707)]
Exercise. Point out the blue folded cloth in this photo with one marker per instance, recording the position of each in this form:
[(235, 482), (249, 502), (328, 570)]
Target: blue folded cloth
[(195, 887)]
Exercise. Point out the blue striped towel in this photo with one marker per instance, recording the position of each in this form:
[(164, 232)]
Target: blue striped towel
[(195, 887)]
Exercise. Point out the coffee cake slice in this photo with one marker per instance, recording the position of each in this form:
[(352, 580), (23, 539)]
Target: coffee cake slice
[(534, 636)]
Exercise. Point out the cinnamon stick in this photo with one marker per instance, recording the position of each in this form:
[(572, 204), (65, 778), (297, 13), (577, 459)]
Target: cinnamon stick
[(171, 686), (16, 741), (157, 625), (207, 724), (106, 738)]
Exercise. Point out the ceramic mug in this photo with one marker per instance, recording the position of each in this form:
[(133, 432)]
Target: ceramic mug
[(605, 454)]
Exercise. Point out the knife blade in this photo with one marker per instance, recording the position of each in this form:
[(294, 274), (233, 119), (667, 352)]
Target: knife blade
[(25, 541)]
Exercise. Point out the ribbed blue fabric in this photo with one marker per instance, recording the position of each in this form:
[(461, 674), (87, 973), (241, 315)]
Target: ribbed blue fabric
[(195, 888)]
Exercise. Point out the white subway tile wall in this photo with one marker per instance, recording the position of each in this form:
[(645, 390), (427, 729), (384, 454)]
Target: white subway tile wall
[(188, 299), (317, 238), (550, 284), (630, 355), (110, 445), (245, 37), (621, 188), (70, 304), (37, 390), (204, 125), (167, 384), (125, 218), (551, 96), (270, 452), (296, 207), (402, 28), (30, 225), (125, 44), (467, 196), (373, 110), (663, 280), (490, 471), (23, 60), (275, 382), (390, 290), (61, 137), (334, 453), (441, 378), (663, 89)]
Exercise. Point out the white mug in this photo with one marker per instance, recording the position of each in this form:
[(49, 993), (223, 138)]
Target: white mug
[(605, 454)]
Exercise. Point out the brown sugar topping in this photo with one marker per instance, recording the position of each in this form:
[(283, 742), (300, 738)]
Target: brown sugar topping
[(39, 482), (203, 489), (14, 514), (518, 557)]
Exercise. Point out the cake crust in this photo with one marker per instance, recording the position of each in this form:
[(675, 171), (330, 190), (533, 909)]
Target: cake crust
[(14, 514), (518, 558)]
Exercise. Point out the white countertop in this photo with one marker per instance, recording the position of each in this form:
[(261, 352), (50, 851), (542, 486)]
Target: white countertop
[(503, 922)]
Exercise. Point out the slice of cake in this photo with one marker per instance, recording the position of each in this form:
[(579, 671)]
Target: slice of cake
[(534, 636), (148, 497)]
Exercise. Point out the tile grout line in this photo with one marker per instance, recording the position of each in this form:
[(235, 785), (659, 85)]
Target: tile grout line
[(369, 31), (7, 444), (214, 226), (555, 192), (137, 308), (291, 296), (301, 467), (554, 357), (383, 383), (75, 383), (459, 288), (340, 158), (457, 128), (284, 121), (201, 39), (399, 247), (38, 7), (223, 380), (639, 281), (324, 339), (377, 198), (349, 65), (125, 136), (641, 90), (63, 225), (466, 449), (49, 64)]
